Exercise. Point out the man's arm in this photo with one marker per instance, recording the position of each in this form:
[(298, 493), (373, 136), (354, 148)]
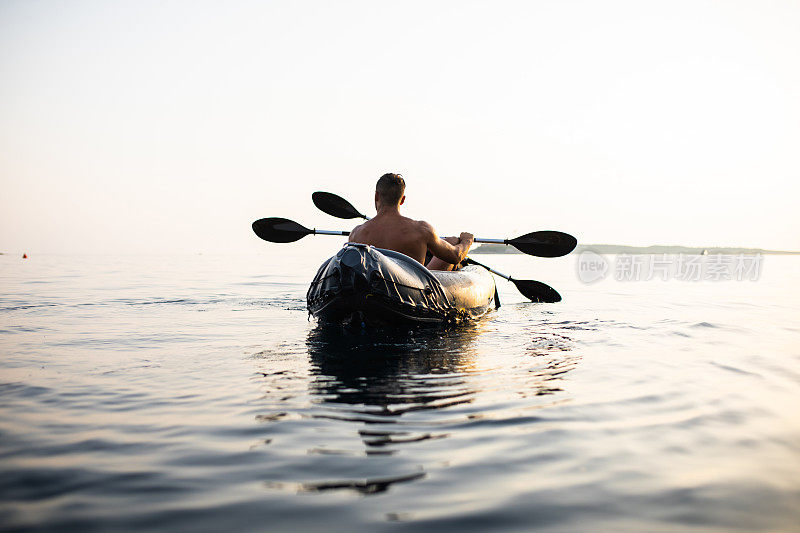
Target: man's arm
[(445, 251)]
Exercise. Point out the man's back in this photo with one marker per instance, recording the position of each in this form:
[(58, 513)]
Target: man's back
[(394, 232)]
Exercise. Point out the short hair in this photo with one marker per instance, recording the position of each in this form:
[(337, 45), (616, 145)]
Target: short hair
[(390, 188)]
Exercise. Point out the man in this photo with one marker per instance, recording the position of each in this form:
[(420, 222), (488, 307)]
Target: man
[(391, 230)]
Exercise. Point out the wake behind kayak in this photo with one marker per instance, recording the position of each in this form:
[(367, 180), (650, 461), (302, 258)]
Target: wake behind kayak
[(362, 284)]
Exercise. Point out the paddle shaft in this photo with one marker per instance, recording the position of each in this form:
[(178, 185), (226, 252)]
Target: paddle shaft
[(346, 233), (329, 232), (490, 269)]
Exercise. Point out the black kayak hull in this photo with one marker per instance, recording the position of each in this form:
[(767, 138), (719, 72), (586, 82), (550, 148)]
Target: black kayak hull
[(364, 285)]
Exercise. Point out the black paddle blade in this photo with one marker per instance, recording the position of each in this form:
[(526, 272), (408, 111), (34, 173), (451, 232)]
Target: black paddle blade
[(276, 229), (334, 205), (545, 243), (536, 291)]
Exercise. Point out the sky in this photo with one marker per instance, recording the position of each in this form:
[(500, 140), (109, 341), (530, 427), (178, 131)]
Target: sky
[(169, 126)]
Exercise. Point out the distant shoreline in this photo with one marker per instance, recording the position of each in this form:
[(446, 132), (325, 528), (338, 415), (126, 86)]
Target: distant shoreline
[(655, 249)]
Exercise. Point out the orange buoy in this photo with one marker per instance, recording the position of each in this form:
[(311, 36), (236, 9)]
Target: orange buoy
[(24, 256)]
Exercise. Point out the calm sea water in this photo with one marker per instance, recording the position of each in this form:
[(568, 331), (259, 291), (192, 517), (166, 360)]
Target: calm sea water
[(175, 393)]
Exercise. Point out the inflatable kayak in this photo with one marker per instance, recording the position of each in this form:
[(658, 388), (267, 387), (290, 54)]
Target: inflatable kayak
[(365, 285)]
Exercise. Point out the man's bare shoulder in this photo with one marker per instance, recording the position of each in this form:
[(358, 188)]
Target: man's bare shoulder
[(424, 227), (354, 232)]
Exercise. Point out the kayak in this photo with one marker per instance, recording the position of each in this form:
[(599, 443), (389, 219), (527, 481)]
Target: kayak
[(365, 285)]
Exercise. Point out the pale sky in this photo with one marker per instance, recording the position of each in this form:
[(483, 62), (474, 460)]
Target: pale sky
[(149, 126)]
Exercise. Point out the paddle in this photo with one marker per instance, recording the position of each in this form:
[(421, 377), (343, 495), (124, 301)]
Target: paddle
[(274, 229), (283, 230), (535, 291), (538, 243), (335, 205)]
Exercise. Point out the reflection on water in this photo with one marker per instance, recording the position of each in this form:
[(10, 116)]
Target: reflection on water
[(379, 376), (403, 391), (369, 486), (392, 372)]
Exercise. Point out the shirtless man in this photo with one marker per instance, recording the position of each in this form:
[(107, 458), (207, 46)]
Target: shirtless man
[(391, 230)]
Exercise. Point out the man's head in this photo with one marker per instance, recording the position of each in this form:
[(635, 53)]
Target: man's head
[(390, 190)]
